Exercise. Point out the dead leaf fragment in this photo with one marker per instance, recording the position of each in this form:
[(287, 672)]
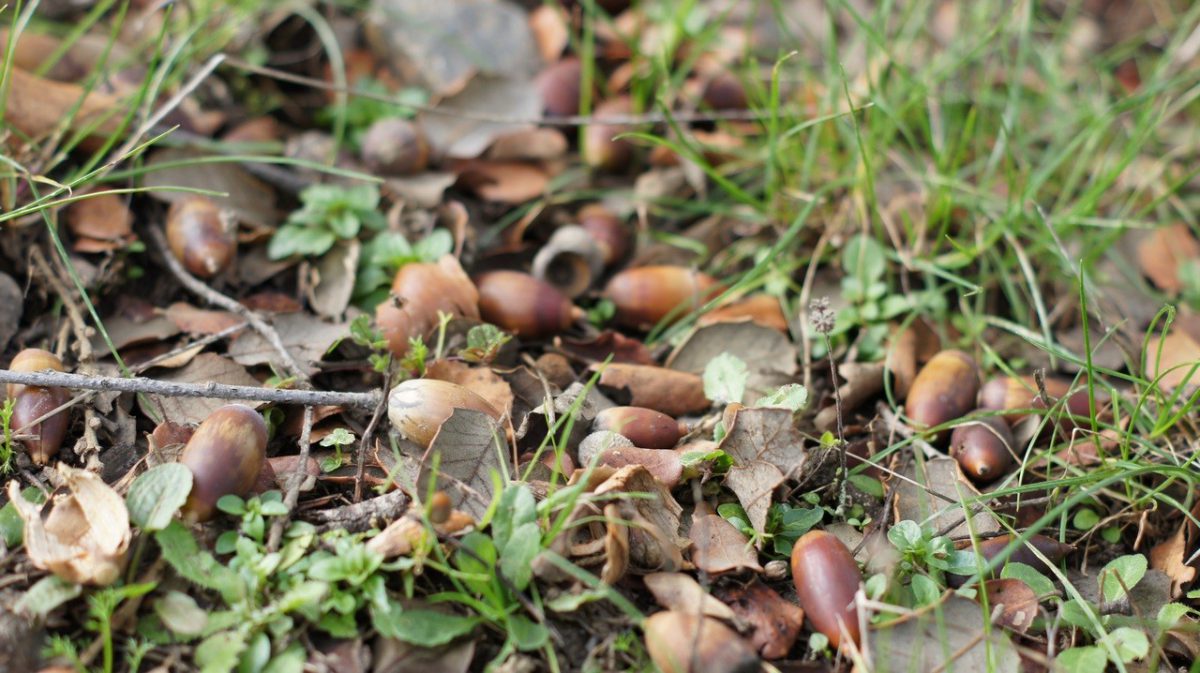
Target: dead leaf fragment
[(754, 485), (467, 135), (84, 537), (776, 622), (677, 591), (467, 449), (1017, 603), (1170, 359), (933, 493), (305, 336), (1163, 251), (510, 182), (1170, 556), (718, 547), (100, 220), (194, 320), (664, 464), (671, 392), (331, 279), (768, 353), (607, 343), (933, 638), (250, 199), (651, 519)]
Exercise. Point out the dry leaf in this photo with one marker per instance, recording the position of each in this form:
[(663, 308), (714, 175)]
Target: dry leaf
[(671, 392), (35, 107), (1172, 358), (608, 343), (766, 434), (11, 308), (466, 135), (396, 656), (677, 591), (864, 380), (762, 309), (1017, 603), (664, 464), (776, 622), (927, 639), (652, 518), (1163, 251), (204, 368), (1170, 556), (768, 353), (468, 449), (331, 279), (538, 144), (718, 547), (754, 485), (479, 379), (194, 320), (509, 182), (550, 31), (424, 190), (305, 336), (100, 219), (918, 502), (125, 331), (250, 199), (84, 537)]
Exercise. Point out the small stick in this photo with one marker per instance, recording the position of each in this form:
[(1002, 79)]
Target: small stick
[(295, 479), (364, 441), (198, 288), (218, 391), (359, 516)]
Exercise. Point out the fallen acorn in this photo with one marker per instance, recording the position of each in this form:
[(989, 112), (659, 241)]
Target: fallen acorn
[(646, 428), (225, 455), (601, 149), (395, 146), (983, 448), (990, 549), (612, 236), (200, 236), (524, 305), (31, 403), (418, 407), (943, 390), (419, 291), (645, 295), (1017, 395), (558, 86), (826, 579), (682, 642)]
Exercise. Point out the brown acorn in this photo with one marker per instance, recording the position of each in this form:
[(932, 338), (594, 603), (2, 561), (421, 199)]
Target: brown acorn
[(600, 147), (419, 292), (395, 146), (613, 236), (645, 295), (200, 236), (225, 455), (32, 360), (1052, 549), (826, 579), (943, 390), (983, 448), (684, 642), (524, 305), (1004, 393), (48, 435), (559, 87), (646, 428), (418, 407), (724, 91)]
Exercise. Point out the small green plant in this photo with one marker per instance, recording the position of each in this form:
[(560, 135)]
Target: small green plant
[(7, 450), (329, 213), (925, 558), (484, 343), (337, 439), (785, 524), (363, 334), (362, 111)]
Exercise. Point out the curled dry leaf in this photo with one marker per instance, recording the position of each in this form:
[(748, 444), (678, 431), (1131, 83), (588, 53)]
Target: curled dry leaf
[(677, 591), (1171, 556), (671, 392), (100, 222), (1015, 601), (761, 309), (538, 144), (194, 320), (84, 537), (664, 464), (681, 642), (509, 182), (482, 380), (408, 532), (1161, 252), (718, 547), (775, 621)]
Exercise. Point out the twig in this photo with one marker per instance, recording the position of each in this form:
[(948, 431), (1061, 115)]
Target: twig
[(364, 441), (196, 287), (295, 479), (359, 516), (218, 391)]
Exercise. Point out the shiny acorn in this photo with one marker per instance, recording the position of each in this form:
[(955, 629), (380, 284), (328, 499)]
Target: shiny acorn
[(524, 305), (943, 390), (395, 146), (32, 402), (613, 236), (200, 236), (32, 360), (419, 291), (990, 549), (418, 407), (724, 91), (684, 642), (645, 295), (1018, 395), (601, 148), (225, 455), (826, 579), (559, 87), (983, 448), (646, 428)]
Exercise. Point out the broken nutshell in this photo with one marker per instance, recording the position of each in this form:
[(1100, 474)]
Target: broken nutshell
[(200, 236), (225, 455)]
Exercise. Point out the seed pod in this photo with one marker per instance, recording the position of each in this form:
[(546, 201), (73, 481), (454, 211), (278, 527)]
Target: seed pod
[(523, 304), (32, 404), (610, 233), (600, 147), (559, 87), (646, 428), (395, 146), (418, 407), (645, 295), (826, 580), (983, 448), (570, 261), (419, 292), (200, 236), (943, 390), (32, 360), (683, 642), (225, 455)]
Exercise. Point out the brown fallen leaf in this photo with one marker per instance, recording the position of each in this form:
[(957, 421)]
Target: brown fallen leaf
[(671, 392), (305, 336), (768, 353), (682, 642), (100, 222), (864, 380), (504, 181), (677, 591), (718, 547), (651, 519), (250, 199), (1171, 555), (754, 485), (1161, 252), (930, 638), (762, 309), (194, 320), (550, 31), (933, 492), (204, 368), (466, 136), (607, 343), (1171, 358), (664, 464), (128, 331), (36, 106), (468, 450), (482, 380), (331, 279), (1018, 604), (84, 537), (538, 144), (396, 656), (909, 347), (775, 622)]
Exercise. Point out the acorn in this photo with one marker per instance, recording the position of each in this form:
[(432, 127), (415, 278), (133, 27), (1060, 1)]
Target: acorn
[(614, 237), (646, 428), (1052, 549), (943, 390), (200, 236), (559, 86), (983, 448), (724, 91), (826, 579), (395, 146), (570, 261), (601, 149), (419, 291), (32, 402), (645, 295), (685, 642), (524, 305), (225, 455), (1004, 393), (418, 407)]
